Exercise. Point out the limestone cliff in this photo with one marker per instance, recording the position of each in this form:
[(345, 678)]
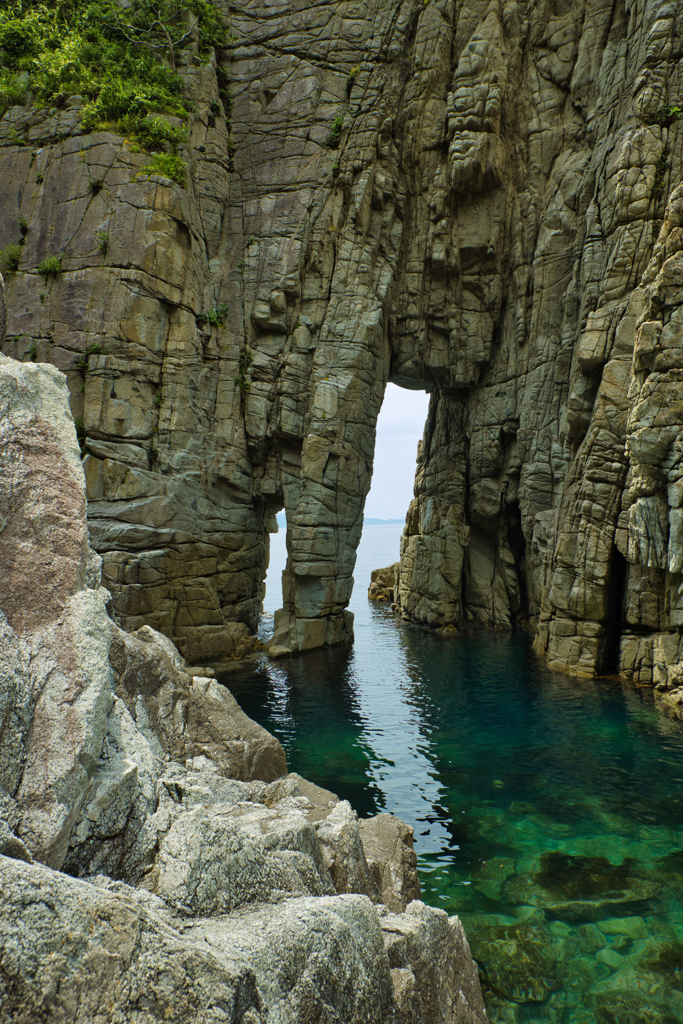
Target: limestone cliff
[(477, 199)]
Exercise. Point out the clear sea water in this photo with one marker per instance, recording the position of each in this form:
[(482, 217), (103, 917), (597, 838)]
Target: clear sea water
[(548, 812)]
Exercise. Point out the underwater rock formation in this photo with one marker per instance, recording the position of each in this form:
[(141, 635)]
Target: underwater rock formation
[(157, 861), (476, 199)]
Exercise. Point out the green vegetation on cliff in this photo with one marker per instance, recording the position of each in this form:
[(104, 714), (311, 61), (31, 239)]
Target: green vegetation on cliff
[(122, 61)]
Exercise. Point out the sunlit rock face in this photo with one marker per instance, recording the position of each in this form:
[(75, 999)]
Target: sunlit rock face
[(463, 197)]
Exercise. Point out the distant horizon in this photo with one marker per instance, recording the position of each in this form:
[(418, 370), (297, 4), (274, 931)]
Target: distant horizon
[(400, 425), (367, 520), (373, 521)]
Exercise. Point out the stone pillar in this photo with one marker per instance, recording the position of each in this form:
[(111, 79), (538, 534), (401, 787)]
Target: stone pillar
[(325, 508), (325, 523)]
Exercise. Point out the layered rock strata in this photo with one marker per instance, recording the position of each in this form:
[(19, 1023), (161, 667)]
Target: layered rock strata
[(541, 490), (157, 863), (477, 199)]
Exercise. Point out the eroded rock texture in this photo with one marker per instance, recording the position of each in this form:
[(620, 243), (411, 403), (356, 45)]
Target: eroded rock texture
[(89, 714), (530, 474), (130, 958), (477, 199)]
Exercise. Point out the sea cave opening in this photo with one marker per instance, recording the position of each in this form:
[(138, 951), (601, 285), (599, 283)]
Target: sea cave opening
[(614, 613), (276, 561), (400, 426)]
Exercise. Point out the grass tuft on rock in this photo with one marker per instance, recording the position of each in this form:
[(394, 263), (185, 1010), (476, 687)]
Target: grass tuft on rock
[(166, 165), (10, 257), (50, 266)]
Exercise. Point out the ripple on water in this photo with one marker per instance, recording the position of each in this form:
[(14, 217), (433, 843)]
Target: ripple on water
[(548, 812)]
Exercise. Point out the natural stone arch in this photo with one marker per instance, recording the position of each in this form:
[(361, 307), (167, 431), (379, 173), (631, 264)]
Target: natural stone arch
[(461, 194), (321, 552), (324, 506)]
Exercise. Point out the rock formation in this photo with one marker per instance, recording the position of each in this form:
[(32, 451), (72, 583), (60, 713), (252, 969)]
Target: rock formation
[(384, 583), (478, 199), (157, 861), (541, 490)]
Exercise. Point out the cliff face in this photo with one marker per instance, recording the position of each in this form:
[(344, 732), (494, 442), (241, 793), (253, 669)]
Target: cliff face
[(548, 475), (475, 199)]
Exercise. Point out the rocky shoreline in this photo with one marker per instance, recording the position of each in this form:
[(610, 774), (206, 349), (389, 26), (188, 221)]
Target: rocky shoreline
[(667, 669), (157, 861)]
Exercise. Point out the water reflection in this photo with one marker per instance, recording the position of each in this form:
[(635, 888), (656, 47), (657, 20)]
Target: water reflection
[(543, 809), (547, 811), (312, 705)]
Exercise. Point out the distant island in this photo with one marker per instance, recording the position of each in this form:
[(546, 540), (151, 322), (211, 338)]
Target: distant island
[(282, 521)]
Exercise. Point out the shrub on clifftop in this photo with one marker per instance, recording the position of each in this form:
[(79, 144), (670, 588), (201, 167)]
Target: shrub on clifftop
[(121, 60)]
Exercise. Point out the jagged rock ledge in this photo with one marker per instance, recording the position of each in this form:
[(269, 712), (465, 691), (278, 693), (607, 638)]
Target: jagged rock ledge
[(384, 583), (157, 862)]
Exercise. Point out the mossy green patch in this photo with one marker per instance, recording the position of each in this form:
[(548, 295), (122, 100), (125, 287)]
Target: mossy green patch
[(50, 266), (166, 165), (10, 258), (120, 59)]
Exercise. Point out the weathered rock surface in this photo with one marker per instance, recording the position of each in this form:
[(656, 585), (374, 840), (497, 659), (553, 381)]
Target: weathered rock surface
[(89, 713), (495, 221), (190, 717), (56, 690), (212, 887), (384, 583), (388, 846), (528, 491), (129, 958), (435, 990)]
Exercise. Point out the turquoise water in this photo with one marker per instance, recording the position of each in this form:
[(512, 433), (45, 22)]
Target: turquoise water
[(548, 812)]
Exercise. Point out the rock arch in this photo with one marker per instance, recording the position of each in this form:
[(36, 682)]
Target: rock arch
[(459, 196)]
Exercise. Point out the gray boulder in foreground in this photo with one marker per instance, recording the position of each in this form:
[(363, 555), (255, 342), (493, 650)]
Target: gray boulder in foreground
[(85, 953), (156, 862)]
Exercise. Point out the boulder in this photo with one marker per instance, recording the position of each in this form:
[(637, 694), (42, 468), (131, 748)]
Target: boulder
[(83, 954), (440, 986), (384, 584), (189, 717), (388, 845), (88, 951), (56, 691), (217, 859)]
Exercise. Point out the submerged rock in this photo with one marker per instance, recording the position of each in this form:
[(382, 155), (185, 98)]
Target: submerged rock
[(517, 963), (617, 1008), (572, 877), (580, 888)]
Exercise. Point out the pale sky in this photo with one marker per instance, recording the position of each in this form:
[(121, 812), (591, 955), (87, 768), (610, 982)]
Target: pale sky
[(399, 427)]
